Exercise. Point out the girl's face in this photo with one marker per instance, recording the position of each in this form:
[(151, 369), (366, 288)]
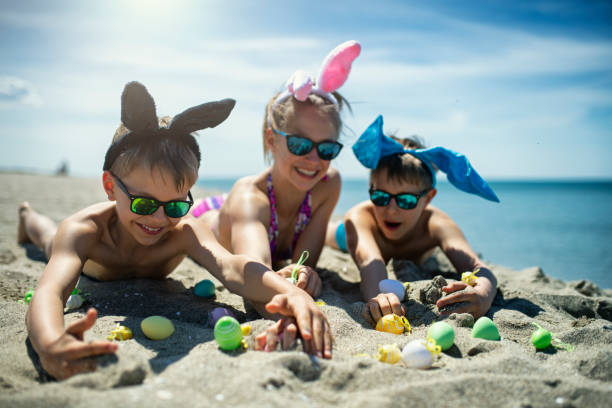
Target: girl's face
[(394, 222), (303, 171), (157, 184)]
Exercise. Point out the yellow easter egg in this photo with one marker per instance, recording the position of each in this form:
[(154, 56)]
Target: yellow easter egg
[(393, 323), (389, 353), (157, 327)]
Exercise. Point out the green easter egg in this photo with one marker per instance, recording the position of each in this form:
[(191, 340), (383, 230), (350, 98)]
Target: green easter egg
[(541, 338), (228, 333), (443, 334), (204, 288), (484, 328), (157, 327)]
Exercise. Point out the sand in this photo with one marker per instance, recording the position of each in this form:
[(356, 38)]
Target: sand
[(188, 369)]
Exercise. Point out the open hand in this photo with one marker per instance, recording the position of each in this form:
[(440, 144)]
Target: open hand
[(69, 354), (312, 325), (472, 299), (382, 304)]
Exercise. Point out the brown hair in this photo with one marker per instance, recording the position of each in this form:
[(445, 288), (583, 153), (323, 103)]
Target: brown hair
[(282, 115), (404, 167), (168, 152)]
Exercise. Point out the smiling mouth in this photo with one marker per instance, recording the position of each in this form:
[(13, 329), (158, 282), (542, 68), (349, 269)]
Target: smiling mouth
[(307, 173), (150, 230)]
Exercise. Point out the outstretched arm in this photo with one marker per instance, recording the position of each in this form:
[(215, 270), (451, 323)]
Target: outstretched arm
[(477, 299), (258, 283), (362, 244), (62, 351)]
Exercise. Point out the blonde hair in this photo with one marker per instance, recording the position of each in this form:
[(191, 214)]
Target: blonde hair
[(404, 167), (164, 151), (282, 115)]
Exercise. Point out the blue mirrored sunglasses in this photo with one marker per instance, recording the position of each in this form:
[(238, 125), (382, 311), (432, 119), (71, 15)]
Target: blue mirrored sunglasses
[(405, 201), (300, 146)]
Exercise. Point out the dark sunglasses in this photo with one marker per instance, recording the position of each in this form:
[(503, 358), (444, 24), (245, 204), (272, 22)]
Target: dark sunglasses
[(405, 201), (300, 146), (147, 206)]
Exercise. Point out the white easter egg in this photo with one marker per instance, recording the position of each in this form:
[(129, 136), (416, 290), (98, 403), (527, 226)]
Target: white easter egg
[(74, 301), (416, 355), (392, 286)]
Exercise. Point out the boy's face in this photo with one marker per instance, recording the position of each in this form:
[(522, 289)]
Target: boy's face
[(394, 222), (157, 184)]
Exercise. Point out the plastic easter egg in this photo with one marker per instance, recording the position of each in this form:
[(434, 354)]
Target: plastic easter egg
[(204, 288), (541, 338), (393, 323), (74, 301), (484, 328), (157, 327), (392, 286), (416, 355), (443, 334), (216, 314), (389, 353), (246, 329), (228, 333)]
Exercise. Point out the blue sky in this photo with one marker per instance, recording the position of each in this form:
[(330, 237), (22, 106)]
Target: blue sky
[(523, 88)]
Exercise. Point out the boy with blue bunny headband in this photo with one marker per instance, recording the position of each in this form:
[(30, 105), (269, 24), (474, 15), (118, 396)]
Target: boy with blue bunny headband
[(399, 222), (143, 232)]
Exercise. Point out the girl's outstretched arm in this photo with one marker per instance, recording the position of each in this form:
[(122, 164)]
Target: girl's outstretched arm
[(255, 281)]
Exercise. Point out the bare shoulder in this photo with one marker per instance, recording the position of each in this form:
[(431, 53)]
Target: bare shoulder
[(86, 226), (248, 198), (361, 214), (439, 223)]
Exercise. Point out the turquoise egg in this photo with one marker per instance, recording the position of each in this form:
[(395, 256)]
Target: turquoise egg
[(228, 333), (204, 288), (484, 328), (443, 334)]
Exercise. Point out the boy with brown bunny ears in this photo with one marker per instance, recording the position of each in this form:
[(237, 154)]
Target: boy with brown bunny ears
[(143, 233)]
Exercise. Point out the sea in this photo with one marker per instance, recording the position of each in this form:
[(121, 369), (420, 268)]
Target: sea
[(563, 227)]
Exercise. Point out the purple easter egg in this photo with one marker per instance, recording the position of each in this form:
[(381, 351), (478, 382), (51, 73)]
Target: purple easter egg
[(216, 314)]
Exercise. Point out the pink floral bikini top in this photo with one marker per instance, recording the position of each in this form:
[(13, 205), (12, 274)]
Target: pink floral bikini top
[(303, 219)]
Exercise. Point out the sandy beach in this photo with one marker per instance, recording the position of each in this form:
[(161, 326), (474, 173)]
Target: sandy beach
[(188, 369)]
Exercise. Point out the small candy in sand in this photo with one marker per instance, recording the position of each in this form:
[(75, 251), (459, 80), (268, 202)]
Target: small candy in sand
[(204, 288), (28, 296), (393, 323), (228, 333), (120, 333), (389, 353), (157, 327), (443, 334), (420, 353), (393, 286), (484, 328), (470, 277)]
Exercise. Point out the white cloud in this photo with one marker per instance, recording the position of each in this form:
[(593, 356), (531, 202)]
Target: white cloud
[(18, 91)]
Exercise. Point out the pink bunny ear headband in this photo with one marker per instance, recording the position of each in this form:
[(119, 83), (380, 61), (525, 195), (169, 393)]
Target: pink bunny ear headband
[(333, 73)]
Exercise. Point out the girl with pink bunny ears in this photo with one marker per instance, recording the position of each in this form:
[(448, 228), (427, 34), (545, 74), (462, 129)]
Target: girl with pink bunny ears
[(277, 214)]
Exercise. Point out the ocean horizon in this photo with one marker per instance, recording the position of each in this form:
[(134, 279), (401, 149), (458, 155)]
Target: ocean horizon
[(559, 225)]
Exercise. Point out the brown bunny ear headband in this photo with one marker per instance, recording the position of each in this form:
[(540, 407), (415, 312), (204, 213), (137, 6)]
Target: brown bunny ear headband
[(138, 115)]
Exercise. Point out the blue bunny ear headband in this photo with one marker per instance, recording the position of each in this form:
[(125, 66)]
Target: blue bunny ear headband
[(374, 144)]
